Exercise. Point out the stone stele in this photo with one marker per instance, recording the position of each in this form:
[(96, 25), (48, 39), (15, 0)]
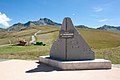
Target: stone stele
[(70, 45), (70, 51)]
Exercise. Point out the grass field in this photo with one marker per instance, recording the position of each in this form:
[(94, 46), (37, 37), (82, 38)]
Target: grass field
[(23, 52), (104, 44), (112, 54)]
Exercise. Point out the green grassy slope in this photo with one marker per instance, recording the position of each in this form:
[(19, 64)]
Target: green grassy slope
[(95, 38), (100, 39), (15, 36), (102, 42)]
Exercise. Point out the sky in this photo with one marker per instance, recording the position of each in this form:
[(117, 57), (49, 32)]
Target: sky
[(92, 13)]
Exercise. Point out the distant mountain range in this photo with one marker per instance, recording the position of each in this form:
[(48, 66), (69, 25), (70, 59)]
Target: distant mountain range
[(81, 26), (40, 22), (110, 28), (46, 21)]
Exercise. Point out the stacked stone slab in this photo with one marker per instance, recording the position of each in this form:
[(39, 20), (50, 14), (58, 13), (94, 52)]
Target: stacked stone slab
[(70, 45)]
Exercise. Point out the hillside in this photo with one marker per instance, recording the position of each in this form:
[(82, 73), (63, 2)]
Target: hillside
[(105, 44), (95, 38), (109, 28), (3, 30), (15, 36)]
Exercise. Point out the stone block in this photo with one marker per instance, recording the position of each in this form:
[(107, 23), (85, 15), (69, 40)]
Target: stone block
[(76, 65)]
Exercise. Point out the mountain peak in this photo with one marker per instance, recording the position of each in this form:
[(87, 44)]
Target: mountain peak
[(115, 29), (47, 21), (81, 26), (44, 19), (105, 27), (41, 21), (18, 24)]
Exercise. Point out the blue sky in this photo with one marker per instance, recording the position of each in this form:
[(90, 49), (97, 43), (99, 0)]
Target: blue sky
[(92, 13)]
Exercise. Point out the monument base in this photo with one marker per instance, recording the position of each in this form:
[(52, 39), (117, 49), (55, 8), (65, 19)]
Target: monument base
[(74, 65)]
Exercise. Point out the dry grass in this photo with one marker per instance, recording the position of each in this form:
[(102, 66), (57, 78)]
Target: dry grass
[(102, 43)]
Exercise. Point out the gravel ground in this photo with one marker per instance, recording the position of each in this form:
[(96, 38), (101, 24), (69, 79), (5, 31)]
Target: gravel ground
[(31, 70), (116, 65)]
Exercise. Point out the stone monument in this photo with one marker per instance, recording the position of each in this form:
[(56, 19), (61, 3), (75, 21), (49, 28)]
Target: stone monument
[(70, 45), (70, 51)]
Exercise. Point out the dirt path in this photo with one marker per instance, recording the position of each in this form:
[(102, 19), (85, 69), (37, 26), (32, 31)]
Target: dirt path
[(33, 37), (5, 44)]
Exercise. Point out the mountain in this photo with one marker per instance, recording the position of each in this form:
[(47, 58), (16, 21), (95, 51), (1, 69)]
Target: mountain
[(115, 29), (41, 21), (16, 27), (46, 21), (82, 26), (2, 29)]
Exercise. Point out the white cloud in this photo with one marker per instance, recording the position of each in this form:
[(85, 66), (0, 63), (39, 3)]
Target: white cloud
[(102, 20), (98, 9), (4, 19)]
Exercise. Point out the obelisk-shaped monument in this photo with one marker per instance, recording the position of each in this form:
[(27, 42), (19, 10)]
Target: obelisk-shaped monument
[(70, 45)]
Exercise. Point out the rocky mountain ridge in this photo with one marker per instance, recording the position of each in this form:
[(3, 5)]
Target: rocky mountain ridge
[(46, 21), (105, 27), (40, 22), (115, 29)]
